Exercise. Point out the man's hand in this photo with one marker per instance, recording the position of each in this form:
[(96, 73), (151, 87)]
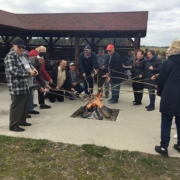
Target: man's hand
[(72, 89), (84, 74), (151, 68), (35, 72), (95, 71), (50, 81), (57, 88), (153, 77), (102, 67), (48, 87), (108, 79), (140, 75), (92, 75), (31, 72), (74, 84), (42, 89)]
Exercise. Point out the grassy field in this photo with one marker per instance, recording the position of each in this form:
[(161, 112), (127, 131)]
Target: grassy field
[(41, 159), (153, 47)]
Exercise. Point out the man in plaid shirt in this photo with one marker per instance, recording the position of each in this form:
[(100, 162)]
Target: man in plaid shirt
[(20, 80)]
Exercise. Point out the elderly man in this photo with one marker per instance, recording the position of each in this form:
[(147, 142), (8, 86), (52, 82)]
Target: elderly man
[(37, 61), (88, 66), (45, 75), (115, 73), (102, 71), (61, 78), (20, 79)]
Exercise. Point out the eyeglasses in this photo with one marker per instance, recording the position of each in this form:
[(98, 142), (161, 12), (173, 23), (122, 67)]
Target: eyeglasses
[(21, 47)]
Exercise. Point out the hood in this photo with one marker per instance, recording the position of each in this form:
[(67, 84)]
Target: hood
[(33, 53), (175, 58)]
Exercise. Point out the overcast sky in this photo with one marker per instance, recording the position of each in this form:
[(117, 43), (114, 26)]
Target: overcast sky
[(163, 21)]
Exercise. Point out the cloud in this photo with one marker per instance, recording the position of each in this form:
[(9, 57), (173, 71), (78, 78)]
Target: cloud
[(163, 21)]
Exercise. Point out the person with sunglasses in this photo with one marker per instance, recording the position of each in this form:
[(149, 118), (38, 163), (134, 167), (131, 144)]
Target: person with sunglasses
[(20, 80)]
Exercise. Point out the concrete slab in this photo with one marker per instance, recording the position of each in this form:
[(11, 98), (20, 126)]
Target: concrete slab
[(135, 129)]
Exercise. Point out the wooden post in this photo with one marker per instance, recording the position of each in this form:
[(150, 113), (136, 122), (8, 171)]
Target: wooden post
[(51, 48), (136, 43), (77, 51)]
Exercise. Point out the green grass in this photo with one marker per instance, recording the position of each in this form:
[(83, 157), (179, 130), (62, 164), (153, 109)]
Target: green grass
[(30, 159)]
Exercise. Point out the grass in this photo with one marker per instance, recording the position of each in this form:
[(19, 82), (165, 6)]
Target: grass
[(30, 159)]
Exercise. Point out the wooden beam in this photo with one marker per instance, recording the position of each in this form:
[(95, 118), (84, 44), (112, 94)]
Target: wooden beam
[(88, 42), (70, 38), (46, 40), (12, 39), (77, 51), (137, 43), (56, 41), (130, 40), (4, 39), (98, 41), (82, 40)]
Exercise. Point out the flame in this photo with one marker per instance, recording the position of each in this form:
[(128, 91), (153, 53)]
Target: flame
[(97, 102)]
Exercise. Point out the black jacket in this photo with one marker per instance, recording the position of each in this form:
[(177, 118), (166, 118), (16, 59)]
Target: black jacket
[(78, 79), (87, 65), (156, 64), (138, 68), (169, 86), (115, 65), (67, 83)]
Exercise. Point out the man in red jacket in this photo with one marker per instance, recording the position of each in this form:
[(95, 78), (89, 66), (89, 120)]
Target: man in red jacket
[(44, 74)]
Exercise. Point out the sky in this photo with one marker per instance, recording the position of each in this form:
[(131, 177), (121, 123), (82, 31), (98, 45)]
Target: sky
[(163, 20)]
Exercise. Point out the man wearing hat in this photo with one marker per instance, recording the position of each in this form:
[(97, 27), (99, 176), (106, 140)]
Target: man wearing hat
[(20, 80), (88, 66), (102, 71), (115, 73), (74, 78), (42, 58)]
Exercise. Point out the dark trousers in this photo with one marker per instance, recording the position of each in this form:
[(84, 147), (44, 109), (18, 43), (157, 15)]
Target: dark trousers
[(152, 97), (138, 95), (166, 121), (90, 82), (53, 95), (41, 97), (19, 108), (115, 89), (101, 82)]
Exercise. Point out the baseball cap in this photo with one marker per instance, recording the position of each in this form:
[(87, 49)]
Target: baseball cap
[(19, 42), (110, 47), (87, 47), (101, 49), (44, 56), (71, 64)]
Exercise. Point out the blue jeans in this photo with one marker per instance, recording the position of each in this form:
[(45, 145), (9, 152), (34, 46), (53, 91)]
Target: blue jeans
[(152, 97), (115, 88), (31, 108), (166, 121)]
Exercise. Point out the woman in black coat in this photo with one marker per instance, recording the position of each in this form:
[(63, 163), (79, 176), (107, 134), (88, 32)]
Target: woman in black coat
[(169, 90), (152, 66), (137, 71)]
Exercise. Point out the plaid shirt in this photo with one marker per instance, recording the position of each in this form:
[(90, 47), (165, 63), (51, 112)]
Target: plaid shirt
[(16, 74)]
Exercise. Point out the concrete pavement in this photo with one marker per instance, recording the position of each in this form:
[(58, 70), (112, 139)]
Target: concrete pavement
[(135, 129)]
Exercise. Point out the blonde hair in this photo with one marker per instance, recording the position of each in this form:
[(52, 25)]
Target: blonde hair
[(174, 48), (41, 48)]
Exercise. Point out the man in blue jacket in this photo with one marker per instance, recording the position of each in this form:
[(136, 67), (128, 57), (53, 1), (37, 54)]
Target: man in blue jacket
[(88, 66)]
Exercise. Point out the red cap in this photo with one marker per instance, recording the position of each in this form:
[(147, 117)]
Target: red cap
[(110, 47)]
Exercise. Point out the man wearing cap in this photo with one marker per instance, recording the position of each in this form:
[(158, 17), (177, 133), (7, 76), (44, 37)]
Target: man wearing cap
[(102, 71), (88, 66), (74, 77), (20, 80), (37, 61), (115, 72)]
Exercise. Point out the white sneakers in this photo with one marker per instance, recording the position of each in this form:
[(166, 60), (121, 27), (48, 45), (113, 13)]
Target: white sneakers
[(175, 136)]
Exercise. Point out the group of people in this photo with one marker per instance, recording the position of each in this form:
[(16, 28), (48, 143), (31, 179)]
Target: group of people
[(26, 73)]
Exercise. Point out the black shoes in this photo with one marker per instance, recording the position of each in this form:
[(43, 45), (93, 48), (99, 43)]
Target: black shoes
[(177, 147), (159, 150), (44, 106), (16, 129), (28, 116), (106, 96), (150, 108), (137, 103), (25, 124), (33, 112), (35, 105), (147, 106)]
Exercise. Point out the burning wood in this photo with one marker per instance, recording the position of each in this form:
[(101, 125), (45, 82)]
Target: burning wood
[(94, 110)]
